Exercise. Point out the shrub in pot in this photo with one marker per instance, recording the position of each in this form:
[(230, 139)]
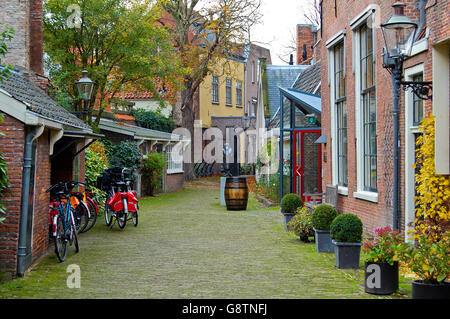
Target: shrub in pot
[(301, 224), (321, 219), (429, 260), (381, 265), (346, 233), (289, 205)]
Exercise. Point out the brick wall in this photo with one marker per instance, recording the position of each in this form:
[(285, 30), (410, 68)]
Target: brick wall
[(306, 37), (41, 198), (174, 182), (11, 146), (334, 20)]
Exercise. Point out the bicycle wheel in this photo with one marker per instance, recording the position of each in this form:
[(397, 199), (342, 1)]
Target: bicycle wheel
[(93, 212), (108, 215), (81, 218), (134, 217), (122, 219), (60, 240), (75, 238)]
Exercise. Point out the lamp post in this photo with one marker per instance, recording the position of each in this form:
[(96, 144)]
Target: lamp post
[(399, 35), (85, 87)]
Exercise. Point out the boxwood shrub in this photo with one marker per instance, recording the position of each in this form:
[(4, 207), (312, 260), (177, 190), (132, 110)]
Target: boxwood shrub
[(347, 228), (322, 216), (290, 203)]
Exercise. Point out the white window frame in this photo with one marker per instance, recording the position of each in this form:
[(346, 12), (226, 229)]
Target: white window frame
[(238, 94), (410, 155), (338, 38), (356, 23), (215, 89), (173, 167), (228, 92)]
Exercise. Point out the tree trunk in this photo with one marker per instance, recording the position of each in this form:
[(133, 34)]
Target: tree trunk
[(188, 123)]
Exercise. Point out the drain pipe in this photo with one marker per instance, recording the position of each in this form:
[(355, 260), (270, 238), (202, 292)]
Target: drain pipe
[(26, 179)]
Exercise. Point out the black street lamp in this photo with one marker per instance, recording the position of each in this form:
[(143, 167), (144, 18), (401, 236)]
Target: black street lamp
[(399, 35), (85, 88)]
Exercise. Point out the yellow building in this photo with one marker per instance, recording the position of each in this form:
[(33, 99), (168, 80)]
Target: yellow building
[(222, 92)]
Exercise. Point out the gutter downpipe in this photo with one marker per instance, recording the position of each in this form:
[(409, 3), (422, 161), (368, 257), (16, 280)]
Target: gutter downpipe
[(23, 227)]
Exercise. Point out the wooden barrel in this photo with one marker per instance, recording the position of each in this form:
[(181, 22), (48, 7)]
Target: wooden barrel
[(236, 193)]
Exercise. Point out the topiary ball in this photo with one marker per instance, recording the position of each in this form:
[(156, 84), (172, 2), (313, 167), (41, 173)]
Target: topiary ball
[(322, 216), (290, 203), (347, 228)]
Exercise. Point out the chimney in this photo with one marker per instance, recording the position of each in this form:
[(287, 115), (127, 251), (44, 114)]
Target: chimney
[(26, 47), (306, 38), (36, 37)]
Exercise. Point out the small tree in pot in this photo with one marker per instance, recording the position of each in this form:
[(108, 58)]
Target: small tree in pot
[(346, 232), (322, 217), (301, 225), (289, 205), (381, 265)]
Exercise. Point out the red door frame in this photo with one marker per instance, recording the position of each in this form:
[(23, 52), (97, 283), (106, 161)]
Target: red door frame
[(298, 170)]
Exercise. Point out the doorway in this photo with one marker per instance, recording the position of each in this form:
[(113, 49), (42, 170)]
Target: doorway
[(307, 175)]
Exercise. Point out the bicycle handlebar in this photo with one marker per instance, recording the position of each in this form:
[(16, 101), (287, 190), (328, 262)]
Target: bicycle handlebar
[(66, 186)]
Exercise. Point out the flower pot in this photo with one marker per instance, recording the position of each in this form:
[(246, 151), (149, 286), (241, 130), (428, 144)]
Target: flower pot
[(323, 241), (347, 254), (380, 278), (287, 218), (421, 290)]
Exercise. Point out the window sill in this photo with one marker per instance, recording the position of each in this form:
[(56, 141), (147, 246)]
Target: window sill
[(239, 106), (342, 190), (213, 102), (175, 171), (368, 196), (229, 105)]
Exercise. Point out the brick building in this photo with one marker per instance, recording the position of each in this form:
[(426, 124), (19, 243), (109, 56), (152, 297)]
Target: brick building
[(357, 105), (42, 142)]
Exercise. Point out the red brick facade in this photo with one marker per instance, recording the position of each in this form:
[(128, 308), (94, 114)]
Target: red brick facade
[(338, 18)]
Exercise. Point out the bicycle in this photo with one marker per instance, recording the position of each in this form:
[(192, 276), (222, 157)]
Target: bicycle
[(62, 220), (121, 203), (91, 209)]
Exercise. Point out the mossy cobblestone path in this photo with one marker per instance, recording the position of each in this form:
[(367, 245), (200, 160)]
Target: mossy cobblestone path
[(187, 246)]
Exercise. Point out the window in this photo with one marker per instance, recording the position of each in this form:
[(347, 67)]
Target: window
[(239, 94), (253, 71), (417, 104), (368, 109), (341, 113), (228, 92), (215, 89), (174, 159)]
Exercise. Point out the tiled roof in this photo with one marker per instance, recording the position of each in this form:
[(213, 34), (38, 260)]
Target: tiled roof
[(309, 79), (280, 76), (37, 101)]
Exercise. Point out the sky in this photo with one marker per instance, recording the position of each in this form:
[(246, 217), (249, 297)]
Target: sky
[(278, 25)]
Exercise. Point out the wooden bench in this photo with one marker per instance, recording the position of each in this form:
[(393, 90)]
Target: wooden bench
[(329, 197)]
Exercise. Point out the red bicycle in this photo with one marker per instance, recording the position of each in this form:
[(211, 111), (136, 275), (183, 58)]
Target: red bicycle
[(121, 203)]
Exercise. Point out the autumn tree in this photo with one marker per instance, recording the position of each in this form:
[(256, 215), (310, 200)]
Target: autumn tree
[(118, 42), (204, 33)]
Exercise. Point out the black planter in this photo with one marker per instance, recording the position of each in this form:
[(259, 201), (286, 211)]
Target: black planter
[(421, 290), (347, 254), (381, 278), (323, 241), (287, 218)]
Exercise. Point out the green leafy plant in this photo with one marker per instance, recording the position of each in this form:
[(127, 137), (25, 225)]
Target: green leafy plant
[(322, 216), (153, 120), (6, 34), (383, 248), (301, 224), (247, 169), (428, 260), (152, 172), (269, 188), (4, 180), (125, 154), (290, 203), (347, 228)]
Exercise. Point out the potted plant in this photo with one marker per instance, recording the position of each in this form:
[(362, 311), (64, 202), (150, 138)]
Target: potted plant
[(321, 219), (346, 233), (429, 260), (289, 205), (381, 265), (301, 225)]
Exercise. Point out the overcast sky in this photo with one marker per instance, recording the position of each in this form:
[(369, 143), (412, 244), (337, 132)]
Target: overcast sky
[(280, 18)]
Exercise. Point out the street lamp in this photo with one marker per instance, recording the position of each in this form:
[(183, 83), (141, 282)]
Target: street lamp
[(399, 35), (85, 87)]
